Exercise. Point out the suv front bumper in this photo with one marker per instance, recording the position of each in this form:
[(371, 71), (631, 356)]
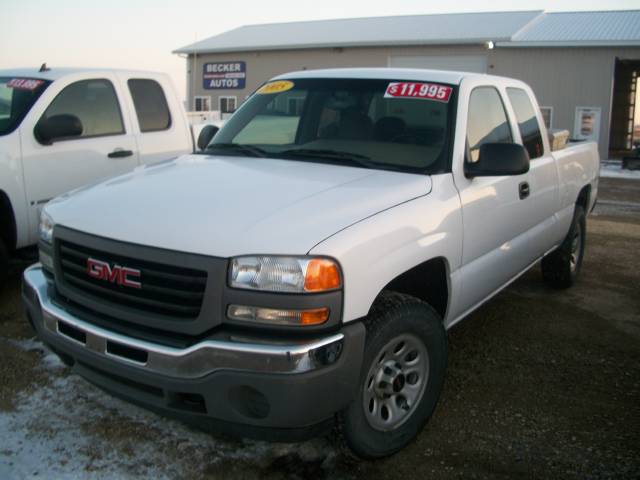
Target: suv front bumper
[(249, 386)]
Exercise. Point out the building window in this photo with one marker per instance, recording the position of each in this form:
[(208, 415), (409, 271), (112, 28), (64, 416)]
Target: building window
[(227, 104), (202, 104), (547, 116)]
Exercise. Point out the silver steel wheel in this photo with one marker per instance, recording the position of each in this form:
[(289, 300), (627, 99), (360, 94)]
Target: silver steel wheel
[(395, 382), (576, 247)]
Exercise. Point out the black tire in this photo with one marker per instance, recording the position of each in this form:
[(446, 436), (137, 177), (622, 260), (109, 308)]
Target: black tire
[(396, 317), (560, 269), (4, 264)]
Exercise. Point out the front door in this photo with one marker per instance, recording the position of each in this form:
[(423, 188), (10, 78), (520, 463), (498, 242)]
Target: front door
[(496, 213), (104, 149)]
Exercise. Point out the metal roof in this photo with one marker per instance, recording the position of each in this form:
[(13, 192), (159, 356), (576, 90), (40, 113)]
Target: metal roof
[(506, 29), (454, 28), (620, 27)]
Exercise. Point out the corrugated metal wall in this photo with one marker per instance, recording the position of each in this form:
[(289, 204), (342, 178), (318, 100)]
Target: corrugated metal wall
[(562, 78)]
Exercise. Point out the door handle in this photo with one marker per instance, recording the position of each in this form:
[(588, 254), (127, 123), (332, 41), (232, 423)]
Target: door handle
[(120, 153), (523, 190)]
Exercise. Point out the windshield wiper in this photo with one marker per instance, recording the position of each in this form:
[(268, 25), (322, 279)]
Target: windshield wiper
[(334, 156), (238, 147)]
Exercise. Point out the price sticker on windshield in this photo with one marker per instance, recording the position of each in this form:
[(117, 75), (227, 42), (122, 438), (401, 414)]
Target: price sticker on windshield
[(425, 91), (24, 83)]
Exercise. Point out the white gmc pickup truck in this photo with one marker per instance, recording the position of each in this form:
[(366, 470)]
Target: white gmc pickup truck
[(303, 271), (63, 128)]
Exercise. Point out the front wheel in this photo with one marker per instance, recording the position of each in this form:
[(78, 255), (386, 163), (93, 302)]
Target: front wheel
[(401, 379), (561, 267)]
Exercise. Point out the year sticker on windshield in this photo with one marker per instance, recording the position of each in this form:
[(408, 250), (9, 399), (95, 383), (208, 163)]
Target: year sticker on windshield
[(24, 83), (426, 91)]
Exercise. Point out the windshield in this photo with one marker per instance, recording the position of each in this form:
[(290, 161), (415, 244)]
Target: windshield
[(17, 96), (382, 124)]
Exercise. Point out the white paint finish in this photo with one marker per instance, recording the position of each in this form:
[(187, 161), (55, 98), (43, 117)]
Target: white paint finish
[(32, 173), (226, 206), (417, 74), (11, 182), (379, 248), (463, 63)]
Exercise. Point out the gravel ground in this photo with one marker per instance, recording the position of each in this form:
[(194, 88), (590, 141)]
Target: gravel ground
[(541, 384)]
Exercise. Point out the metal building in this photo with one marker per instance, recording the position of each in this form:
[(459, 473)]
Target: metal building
[(583, 66)]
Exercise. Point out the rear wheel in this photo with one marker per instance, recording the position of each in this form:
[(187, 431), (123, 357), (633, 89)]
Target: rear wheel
[(401, 379), (560, 269)]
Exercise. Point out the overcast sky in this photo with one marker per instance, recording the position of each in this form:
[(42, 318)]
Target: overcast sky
[(142, 33)]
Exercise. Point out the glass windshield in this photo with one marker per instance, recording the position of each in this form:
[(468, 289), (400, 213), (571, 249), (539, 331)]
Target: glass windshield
[(382, 124), (17, 96)]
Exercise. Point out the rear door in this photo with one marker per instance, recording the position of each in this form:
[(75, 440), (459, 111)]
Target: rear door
[(496, 216), (106, 147), (543, 173), (160, 123)]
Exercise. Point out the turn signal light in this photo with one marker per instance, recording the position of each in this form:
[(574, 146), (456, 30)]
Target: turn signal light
[(275, 316), (321, 275)]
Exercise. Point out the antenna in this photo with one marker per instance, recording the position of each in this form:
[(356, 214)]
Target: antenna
[(44, 68)]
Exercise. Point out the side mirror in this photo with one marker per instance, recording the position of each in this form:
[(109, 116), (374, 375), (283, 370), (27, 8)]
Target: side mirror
[(498, 159), (206, 135), (57, 127)]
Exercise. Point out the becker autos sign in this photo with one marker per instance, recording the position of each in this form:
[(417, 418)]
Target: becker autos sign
[(224, 75)]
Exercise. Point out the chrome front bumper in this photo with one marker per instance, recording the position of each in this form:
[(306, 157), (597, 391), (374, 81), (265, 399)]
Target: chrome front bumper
[(197, 361)]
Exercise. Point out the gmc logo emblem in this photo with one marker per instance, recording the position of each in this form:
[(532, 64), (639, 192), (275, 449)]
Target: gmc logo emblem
[(117, 274)]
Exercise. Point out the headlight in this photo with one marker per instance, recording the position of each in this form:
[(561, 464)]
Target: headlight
[(46, 227), (285, 274)]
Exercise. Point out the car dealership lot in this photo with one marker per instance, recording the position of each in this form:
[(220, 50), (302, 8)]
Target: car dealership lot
[(540, 384)]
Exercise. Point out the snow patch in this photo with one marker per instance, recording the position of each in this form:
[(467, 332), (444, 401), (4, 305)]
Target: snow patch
[(69, 429), (613, 169)]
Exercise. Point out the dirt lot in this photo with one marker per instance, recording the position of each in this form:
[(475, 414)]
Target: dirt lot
[(541, 384)]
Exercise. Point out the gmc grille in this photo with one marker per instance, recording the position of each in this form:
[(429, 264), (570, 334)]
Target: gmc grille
[(167, 290)]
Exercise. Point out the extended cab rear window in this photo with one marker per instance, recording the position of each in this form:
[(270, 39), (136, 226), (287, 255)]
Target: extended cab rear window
[(17, 96), (151, 105), (381, 124), (527, 122)]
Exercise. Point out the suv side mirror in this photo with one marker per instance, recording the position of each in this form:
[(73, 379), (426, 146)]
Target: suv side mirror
[(57, 127), (498, 159), (206, 135)]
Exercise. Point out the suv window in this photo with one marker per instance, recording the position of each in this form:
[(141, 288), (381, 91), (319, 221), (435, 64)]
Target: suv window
[(94, 102), (151, 105), (487, 121), (527, 122)]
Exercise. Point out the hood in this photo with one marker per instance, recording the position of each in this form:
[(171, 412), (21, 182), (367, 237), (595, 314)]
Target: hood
[(227, 206)]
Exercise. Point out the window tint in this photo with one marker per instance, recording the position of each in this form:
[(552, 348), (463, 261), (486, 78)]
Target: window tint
[(151, 105), (94, 102), (527, 122), (487, 121), (277, 121)]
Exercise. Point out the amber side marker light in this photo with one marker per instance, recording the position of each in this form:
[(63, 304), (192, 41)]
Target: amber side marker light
[(322, 274)]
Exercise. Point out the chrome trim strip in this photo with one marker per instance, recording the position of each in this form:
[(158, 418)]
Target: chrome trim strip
[(196, 361)]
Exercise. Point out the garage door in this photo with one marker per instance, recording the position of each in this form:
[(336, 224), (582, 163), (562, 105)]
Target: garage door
[(471, 63)]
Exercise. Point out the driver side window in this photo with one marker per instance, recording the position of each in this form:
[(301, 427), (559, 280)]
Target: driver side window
[(94, 103), (487, 121)]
